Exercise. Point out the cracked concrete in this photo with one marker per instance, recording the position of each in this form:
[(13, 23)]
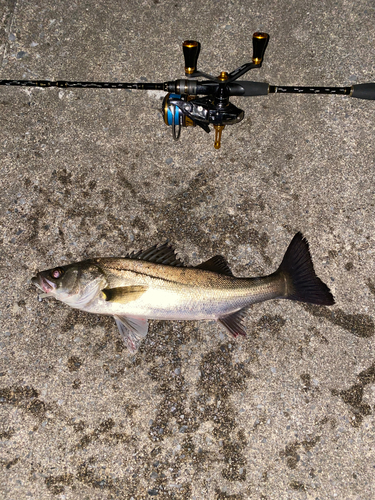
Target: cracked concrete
[(286, 413)]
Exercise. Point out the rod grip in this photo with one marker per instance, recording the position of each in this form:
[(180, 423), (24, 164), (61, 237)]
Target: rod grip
[(364, 91), (191, 50), (248, 89)]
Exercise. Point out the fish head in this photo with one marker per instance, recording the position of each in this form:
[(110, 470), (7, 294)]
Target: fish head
[(58, 281), (75, 284)]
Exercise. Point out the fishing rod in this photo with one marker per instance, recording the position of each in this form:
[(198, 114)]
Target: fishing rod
[(192, 102)]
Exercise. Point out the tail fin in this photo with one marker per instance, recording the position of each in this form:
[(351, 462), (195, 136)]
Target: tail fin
[(303, 284)]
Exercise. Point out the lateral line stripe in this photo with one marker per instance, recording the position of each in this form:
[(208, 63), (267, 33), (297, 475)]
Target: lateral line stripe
[(148, 275)]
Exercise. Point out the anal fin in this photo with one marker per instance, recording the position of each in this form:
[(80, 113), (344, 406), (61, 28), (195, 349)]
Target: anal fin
[(233, 323), (132, 330)]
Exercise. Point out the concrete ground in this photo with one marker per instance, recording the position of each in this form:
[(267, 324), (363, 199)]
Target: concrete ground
[(286, 413)]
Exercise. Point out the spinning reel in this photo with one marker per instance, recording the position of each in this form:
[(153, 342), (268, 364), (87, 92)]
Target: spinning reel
[(182, 106), (184, 109)]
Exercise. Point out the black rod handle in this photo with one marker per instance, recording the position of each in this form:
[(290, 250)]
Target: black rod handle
[(248, 89), (363, 91), (191, 50)]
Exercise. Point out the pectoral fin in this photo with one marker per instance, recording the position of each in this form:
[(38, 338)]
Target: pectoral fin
[(233, 323), (124, 294), (132, 331)]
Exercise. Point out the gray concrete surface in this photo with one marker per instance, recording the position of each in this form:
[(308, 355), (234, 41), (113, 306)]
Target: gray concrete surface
[(286, 413)]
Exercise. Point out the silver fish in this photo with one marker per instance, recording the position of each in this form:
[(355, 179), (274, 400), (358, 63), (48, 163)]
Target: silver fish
[(155, 284)]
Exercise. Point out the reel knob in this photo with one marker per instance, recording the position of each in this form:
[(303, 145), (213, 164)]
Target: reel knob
[(260, 41), (191, 50)]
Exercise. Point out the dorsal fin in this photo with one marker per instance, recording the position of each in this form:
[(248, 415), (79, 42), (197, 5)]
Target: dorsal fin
[(217, 264), (163, 254)]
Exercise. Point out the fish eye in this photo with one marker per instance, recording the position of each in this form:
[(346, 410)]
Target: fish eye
[(57, 273)]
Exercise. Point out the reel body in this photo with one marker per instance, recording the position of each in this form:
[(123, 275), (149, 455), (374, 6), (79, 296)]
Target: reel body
[(184, 111)]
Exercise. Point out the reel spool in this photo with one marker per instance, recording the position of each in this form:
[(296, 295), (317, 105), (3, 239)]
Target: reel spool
[(173, 116)]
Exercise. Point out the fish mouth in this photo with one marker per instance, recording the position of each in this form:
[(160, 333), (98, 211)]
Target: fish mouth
[(43, 283)]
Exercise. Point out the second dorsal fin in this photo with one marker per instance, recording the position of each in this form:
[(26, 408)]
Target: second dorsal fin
[(216, 264)]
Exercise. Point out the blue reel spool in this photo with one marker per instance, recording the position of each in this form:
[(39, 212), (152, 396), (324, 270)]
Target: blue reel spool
[(172, 115)]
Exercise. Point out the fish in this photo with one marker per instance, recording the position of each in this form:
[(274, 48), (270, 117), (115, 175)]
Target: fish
[(156, 284)]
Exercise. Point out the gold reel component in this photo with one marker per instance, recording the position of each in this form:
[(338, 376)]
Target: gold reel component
[(218, 131)]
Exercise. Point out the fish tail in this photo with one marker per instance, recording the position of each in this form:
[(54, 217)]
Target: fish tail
[(302, 283)]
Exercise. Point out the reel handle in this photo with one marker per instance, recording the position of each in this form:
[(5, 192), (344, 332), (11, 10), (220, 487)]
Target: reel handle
[(260, 42), (191, 50)]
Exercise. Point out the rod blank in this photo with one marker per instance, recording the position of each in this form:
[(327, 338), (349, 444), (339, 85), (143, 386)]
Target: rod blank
[(82, 85)]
